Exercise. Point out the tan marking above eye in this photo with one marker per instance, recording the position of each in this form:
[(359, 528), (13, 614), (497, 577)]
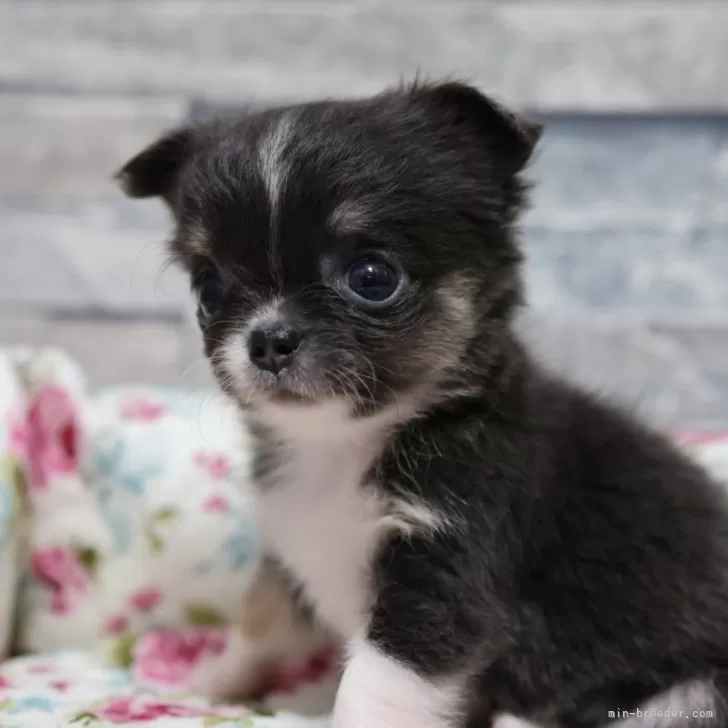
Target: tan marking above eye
[(349, 218), (194, 240)]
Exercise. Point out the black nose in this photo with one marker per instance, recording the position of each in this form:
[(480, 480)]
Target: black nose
[(272, 349)]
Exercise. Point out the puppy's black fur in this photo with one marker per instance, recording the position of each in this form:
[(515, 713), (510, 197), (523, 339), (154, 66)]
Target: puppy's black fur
[(585, 565)]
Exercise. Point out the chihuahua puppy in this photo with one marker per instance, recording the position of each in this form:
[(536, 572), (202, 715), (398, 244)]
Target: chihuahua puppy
[(492, 544)]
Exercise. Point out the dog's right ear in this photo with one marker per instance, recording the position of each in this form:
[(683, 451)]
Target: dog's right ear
[(154, 172)]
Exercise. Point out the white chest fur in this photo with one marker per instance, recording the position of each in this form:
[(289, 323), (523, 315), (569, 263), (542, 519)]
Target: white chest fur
[(319, 518)]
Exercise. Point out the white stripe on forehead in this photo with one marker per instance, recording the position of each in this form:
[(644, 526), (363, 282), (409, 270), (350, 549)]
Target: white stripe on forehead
[(271, 155), (274, 171)]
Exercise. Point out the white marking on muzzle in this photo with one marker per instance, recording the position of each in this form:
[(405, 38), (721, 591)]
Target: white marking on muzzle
[(234, 355)]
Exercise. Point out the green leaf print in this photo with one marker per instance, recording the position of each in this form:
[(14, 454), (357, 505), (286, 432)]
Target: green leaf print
[(260, 709), (13, 473), (165, 515), (212, 720), (121, 650), (202, 615), (154, 540), (85, 719), (89, 558)]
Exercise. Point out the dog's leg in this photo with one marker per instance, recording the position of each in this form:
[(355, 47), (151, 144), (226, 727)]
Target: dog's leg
[(510, 721), (693, 704), (377, 691), (272, 626)]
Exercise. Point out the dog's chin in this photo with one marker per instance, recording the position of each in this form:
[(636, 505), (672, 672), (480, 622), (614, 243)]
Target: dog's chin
[(282, 395), (255, 388)]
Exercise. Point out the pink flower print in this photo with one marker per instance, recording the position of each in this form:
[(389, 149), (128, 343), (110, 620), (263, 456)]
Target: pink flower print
[(169, 658), (59, 569), (146, 598), (53, 436), (116, 625), (703, 438), (19, 439), (216, 464), (142, 408), (136, 709), (60, 603), (216, 504), (5, 684), (60, 686), (322, 663)]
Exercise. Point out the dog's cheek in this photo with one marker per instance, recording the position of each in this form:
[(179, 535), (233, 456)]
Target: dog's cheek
[(433, 335), (215, 335)]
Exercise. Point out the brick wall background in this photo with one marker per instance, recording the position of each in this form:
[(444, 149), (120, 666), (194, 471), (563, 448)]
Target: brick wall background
[(628, 236)]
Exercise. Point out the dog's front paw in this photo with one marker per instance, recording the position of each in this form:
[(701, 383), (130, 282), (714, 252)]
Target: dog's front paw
[(233, 673), (510, 721)]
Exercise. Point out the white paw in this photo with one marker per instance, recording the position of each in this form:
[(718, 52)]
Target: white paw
[(510, 721)]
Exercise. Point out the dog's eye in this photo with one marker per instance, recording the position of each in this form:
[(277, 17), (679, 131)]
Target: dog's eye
[(209, 295), (373, 279)]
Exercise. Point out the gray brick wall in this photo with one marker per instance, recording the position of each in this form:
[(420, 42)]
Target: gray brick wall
[(628, 234)]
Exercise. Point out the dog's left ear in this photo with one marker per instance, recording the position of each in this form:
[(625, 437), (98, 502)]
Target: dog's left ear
[(514, 137), (154, 172)]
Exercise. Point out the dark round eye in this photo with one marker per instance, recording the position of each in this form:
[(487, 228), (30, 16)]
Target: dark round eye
[(209, 295), (372, 278)]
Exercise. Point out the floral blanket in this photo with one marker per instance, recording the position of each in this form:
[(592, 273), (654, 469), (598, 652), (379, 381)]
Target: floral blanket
[(120, 512), (71, 690)]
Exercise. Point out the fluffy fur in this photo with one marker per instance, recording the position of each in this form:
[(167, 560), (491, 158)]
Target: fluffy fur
[(492, 542)]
